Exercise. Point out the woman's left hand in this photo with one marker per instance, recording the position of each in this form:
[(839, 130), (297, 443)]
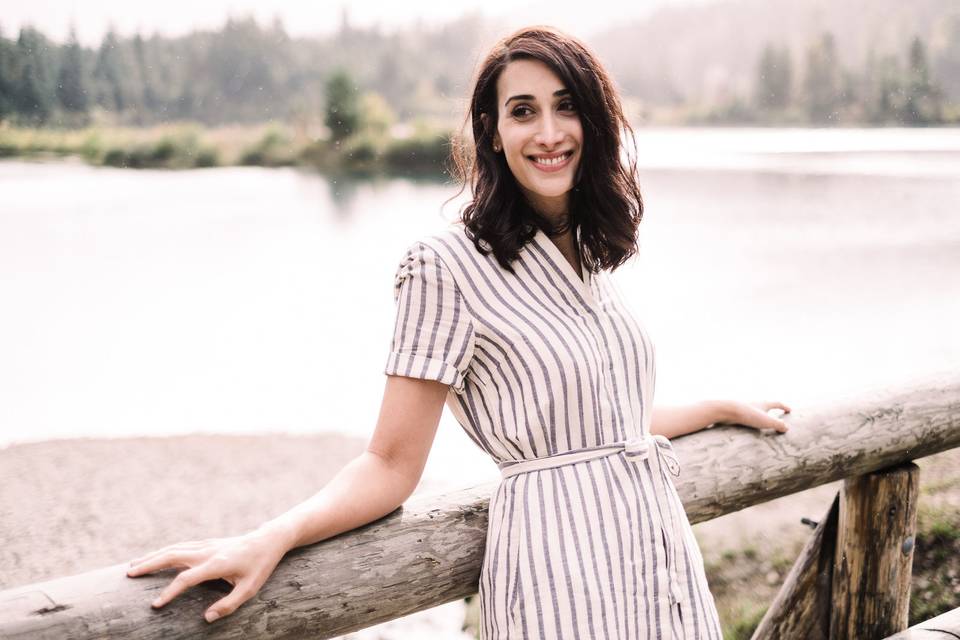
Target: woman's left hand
[(754, 414)]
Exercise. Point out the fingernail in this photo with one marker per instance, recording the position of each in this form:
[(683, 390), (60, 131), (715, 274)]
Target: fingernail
[(211, 616), (157, 602)]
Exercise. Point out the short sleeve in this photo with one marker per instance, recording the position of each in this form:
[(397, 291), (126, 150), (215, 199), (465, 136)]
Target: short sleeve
[(433, 337)]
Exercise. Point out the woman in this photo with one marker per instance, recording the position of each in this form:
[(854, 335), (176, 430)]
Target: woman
[(510, 317)]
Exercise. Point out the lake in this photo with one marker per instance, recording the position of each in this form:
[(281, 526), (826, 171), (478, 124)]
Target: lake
[(793, 264)]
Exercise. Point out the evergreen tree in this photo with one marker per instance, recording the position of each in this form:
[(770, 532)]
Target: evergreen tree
[(72, 82), (883, 89), (922, 98), (250, 67), (945, 59), (772, 88), (35, 97), (149, 99), (822, 97), (112, 91), (342, 113), (851, 91), (8, 59)]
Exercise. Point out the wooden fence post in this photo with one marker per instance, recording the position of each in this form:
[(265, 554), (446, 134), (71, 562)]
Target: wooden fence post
[(802, 606), (874, 554)]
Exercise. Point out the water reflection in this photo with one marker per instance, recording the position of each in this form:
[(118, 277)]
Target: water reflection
[(248, 300)]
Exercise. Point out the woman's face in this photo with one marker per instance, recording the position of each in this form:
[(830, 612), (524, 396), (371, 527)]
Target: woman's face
[(539, 133)]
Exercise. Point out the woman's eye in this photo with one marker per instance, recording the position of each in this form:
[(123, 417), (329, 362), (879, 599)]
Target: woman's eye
[(522, 111)]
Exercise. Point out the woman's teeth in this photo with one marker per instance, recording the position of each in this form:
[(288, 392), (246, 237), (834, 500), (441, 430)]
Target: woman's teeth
[(552, 161)]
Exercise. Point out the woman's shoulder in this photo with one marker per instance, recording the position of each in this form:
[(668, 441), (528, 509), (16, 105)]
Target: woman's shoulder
[(450, 244)]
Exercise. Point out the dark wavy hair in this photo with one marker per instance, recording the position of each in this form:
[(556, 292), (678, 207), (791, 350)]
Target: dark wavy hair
[(605, 202)]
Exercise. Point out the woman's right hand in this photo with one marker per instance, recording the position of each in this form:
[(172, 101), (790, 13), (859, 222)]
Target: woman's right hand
[(244, 561)]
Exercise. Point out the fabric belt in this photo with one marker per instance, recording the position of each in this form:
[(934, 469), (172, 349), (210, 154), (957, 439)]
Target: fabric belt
[(636, 450)]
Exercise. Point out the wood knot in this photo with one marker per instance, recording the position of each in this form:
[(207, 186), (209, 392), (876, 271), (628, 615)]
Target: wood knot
[(907, 546)]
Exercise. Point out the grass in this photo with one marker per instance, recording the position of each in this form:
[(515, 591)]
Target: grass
[(190, 146), (171, 146), (740, 588), (744, 621), (936, 564)]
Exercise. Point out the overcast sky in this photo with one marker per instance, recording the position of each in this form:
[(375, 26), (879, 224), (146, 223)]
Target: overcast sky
[(174, 17)]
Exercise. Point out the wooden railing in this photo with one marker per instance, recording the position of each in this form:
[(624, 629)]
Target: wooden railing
[(943, 627), (430, 551)]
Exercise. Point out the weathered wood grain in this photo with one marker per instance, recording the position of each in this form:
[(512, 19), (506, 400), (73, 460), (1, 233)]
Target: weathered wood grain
[(429, 553), (424, 554), (874, 554), (946, 626), (726, 469), (802, 606)]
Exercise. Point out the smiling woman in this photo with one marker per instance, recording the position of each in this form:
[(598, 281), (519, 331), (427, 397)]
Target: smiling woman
[(540, 134), (544, 112), (554, 377), (511, 319)]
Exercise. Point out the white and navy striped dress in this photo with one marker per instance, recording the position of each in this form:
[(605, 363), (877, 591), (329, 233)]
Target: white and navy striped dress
[(551, 375)]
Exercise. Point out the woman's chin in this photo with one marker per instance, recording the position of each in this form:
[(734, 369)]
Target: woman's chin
[(548, 192)]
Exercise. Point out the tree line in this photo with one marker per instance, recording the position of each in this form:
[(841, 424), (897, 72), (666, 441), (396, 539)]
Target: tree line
[(245, 73), (886, 90), (241, 73)]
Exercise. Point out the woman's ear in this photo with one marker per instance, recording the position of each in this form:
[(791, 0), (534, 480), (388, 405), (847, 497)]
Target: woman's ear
[(485, 119)]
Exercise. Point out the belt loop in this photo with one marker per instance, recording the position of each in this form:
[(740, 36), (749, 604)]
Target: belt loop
[(668, 455), (637, 448)]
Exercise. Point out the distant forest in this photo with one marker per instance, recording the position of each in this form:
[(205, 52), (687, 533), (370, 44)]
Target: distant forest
[(251, 73)]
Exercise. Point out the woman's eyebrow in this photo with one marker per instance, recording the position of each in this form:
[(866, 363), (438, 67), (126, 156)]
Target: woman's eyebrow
[(527, 96)]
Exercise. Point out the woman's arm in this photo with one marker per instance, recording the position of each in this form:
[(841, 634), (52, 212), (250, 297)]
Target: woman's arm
[(673, 421), (676, 421), (381, 478), (369, 487)]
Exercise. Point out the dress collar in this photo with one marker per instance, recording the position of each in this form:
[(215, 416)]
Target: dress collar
[(583, 286)]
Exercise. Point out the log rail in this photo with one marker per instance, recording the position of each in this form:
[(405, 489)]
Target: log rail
[(429, 551)]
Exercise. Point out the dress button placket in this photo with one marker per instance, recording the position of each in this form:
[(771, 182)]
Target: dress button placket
[(676, 593), (637, 449)]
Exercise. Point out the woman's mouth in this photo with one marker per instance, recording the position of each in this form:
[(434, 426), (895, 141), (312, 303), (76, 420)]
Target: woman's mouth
[(551, 164)]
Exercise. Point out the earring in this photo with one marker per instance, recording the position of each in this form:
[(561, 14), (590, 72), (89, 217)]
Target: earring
[(496, 148)]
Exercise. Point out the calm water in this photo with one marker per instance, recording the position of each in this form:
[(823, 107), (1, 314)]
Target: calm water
[(792, 264)]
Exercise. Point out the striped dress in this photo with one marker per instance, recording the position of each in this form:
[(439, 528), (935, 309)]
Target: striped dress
[(551, 376)]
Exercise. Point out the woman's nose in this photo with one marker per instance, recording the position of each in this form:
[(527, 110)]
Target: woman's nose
[(550, 132)]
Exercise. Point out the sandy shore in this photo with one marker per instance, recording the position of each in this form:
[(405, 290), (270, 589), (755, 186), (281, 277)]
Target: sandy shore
[(70, 506)]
